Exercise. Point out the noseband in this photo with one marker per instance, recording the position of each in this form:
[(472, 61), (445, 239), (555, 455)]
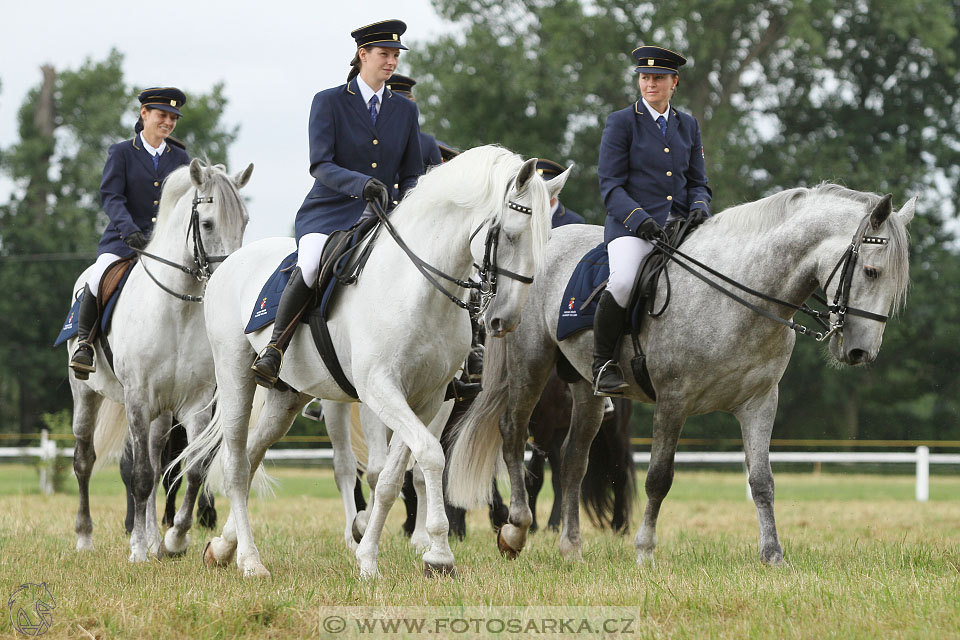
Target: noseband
[(201, 269)]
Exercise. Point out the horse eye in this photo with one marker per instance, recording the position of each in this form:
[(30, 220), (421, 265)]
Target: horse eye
[(872, 272), (207, 225)]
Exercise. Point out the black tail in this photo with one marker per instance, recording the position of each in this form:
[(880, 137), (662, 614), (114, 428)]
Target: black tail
[(609, 486)]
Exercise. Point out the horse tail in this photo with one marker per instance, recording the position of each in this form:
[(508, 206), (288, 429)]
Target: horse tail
[(206, 450), (610, 470), (110, 432), (475, 456)]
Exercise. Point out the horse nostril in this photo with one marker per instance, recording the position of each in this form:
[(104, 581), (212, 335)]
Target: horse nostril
[(496, 325), (856, 356)]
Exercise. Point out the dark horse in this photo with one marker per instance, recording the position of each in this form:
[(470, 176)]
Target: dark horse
[(608, 486), (206, 511)]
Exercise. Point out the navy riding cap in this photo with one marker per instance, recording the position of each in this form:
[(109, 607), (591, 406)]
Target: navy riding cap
[(380, 34), (657, 60), (164, 98), (549, 169), (401, 83)]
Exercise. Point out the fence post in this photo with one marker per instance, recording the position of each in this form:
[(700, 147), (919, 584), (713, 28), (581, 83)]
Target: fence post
[(923, 474), (48, 457)]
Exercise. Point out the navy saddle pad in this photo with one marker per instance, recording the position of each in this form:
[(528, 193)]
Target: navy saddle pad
[(265, 310), (71, 324), (578, 307)]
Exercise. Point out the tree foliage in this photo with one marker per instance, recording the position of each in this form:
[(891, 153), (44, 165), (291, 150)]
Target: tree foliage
[(50, 227)]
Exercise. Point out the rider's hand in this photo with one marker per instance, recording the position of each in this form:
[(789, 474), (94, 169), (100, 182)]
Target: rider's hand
[(376, 191), (649, 229), (697, 217), (136, 240)]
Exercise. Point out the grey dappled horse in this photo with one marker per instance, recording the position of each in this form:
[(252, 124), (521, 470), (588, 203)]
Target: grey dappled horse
[(162, 365), (705, 353)]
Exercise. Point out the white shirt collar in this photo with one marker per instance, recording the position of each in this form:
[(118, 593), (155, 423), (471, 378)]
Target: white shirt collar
[(151, 150), (366, 92), (555, 207), (653, 112)]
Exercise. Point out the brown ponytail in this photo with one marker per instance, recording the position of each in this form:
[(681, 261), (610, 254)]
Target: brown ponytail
[(355, 64)]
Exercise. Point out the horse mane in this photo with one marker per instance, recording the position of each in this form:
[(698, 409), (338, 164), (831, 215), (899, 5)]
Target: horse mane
[(769, 213), (479, 179)]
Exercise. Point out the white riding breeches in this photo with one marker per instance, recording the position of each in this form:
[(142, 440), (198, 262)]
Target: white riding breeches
[(309, 250), (104, 260), (625, 254)]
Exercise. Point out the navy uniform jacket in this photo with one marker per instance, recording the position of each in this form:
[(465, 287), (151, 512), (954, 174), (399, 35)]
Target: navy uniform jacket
[(346, 150), (430, 150), (130, 191), (644, 175), (564, 216)]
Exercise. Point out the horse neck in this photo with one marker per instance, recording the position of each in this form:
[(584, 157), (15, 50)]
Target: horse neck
[(172, 241)]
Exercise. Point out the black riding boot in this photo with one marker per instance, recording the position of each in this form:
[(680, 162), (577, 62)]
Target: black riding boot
[(607, 327), (474, 370), (295, 296), (82, 360)]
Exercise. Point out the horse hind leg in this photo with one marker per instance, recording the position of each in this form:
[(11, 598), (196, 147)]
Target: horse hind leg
[(666, 432), (584, 424), (86, 405), (419, 538), (756, 423), (337, 418)]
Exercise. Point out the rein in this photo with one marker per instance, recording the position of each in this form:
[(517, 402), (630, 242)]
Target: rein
[(201, 269), (840, 305), (488, 271)]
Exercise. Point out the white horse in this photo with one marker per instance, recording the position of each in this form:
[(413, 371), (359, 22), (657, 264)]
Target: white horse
[(706, 353), (398, 337), (162, 364)]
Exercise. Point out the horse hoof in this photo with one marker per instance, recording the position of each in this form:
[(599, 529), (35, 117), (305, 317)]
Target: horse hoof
[(209, 560), (506, 550), (163, 552), (359, 526), (439, 570), (84, 544), (257, 571)]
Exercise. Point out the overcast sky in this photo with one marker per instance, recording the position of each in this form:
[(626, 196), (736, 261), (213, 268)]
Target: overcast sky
[(273, 56)]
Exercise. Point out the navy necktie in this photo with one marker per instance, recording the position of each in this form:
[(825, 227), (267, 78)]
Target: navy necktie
[(156, 161), (663, 125), (373, 109)]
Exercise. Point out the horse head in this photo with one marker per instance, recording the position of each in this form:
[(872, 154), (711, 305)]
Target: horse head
[(872, 280), (514, 247), (221, 217)]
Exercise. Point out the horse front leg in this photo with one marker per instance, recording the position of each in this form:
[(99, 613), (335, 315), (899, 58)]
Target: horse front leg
[(336, 415), (388, 488), (666, 431), (86, 405), (177, 539), (512, 536), (144, 479), (756, 423), (584, 424)]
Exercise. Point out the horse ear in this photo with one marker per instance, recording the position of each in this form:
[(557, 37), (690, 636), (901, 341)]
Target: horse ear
[(196, 173), (556, 184), (241, 179), (906, 212), (527, 171), (882, 211)]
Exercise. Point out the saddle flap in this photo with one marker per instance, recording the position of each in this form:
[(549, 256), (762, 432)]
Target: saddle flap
[(111, 280)]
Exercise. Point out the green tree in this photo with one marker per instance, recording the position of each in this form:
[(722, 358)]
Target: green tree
[(50, 227)]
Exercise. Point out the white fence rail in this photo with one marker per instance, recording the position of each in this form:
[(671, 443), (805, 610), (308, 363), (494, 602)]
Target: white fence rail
[(921, 457)]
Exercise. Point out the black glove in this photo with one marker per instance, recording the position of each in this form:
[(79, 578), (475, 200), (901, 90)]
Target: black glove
[(376, 191), (649, 229), (697, 217), (136, 240)]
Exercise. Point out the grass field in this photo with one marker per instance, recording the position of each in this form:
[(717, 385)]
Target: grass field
[(863, 560)]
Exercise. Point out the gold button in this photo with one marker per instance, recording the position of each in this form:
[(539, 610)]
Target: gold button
[(376, 141), (669, 173), (155, 202), (666, 149), (156, 184), (669, 197), (396, 186), (374, 165), (153, 219)]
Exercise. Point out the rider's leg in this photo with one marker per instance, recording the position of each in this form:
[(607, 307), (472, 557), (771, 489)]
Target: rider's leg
[(295, 295), (82, 360), (625, 255)]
